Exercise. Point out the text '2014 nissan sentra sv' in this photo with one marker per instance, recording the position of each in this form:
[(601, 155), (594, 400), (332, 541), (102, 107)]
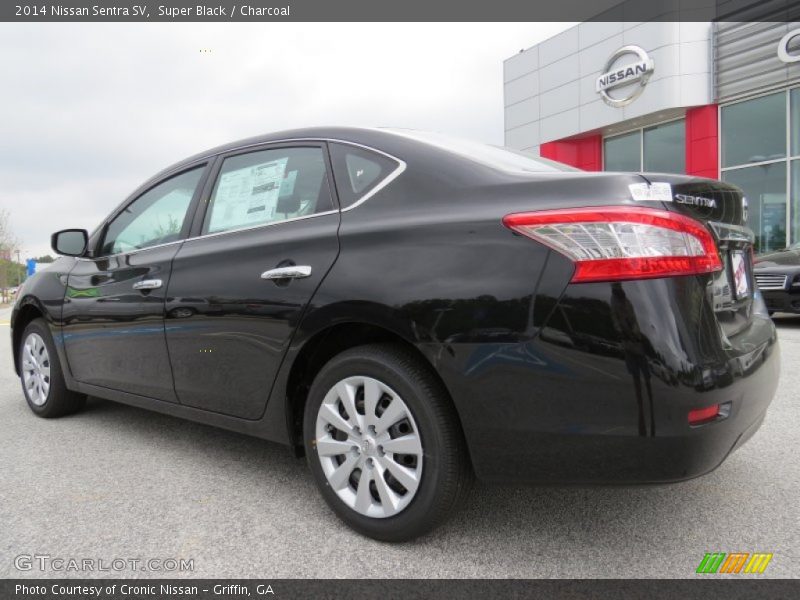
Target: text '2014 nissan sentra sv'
[(412, 311)]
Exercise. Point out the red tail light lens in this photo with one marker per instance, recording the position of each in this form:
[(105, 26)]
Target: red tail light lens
[(703, 415), (616, 243)]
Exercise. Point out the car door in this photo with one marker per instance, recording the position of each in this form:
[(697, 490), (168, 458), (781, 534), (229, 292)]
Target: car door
[(238, 288), (114, 307)]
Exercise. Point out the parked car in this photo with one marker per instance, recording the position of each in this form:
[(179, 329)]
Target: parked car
[(778, 278), (375, 298)]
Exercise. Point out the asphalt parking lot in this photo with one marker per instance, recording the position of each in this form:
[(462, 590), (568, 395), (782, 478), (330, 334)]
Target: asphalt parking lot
[(120, 482)]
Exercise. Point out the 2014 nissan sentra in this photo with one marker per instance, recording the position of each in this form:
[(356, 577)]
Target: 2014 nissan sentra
[(412, 311)]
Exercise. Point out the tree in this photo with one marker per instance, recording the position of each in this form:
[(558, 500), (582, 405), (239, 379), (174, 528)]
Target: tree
[(46, 259), (172, 227), (13, 272), (8, 244)]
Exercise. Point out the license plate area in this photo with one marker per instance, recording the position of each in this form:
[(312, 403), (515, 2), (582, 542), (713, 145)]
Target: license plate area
[(740, 274)]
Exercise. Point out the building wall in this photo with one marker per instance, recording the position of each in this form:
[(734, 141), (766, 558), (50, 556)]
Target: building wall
[(549, 90), (584, 153), (746, 58), (702, 145), (702, 141)]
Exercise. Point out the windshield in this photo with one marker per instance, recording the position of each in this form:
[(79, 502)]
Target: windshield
[(503, 159)]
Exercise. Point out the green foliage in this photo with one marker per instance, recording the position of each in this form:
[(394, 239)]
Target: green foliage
[(11, 274), (172, 227)]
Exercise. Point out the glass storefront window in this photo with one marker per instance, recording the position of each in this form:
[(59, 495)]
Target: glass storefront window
[(665, 148), (623, 152), (795, 214), (794, 119), (765, 189), (754, 130), (660, 149)]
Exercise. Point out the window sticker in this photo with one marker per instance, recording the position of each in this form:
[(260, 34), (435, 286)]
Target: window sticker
[(248, 196)]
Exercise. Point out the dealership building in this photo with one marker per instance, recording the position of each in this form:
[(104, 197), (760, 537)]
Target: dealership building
[(718, 100)]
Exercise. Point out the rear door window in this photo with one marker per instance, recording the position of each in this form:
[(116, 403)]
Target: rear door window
[(268, 186)]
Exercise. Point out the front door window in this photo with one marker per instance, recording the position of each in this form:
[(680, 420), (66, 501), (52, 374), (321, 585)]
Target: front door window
[(156, 217)]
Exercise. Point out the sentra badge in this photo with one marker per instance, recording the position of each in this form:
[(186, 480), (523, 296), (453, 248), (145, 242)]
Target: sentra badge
[(695, 201)]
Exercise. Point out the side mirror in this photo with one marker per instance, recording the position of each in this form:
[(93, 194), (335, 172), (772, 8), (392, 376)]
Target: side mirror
[(70, 242)]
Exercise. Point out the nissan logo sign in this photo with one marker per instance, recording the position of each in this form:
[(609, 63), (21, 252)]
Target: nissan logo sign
[(623, 75), (783, 48)]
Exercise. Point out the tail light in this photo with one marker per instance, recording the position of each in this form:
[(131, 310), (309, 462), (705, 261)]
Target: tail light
[(614, 243)]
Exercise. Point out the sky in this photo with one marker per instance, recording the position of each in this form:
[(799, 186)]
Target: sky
[(89, 111)]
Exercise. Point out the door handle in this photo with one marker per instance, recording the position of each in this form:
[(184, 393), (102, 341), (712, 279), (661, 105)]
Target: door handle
[(293, 272), (148, 284)]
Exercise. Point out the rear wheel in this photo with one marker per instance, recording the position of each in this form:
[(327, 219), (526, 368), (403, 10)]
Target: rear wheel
[(41, 375), (384, 444)]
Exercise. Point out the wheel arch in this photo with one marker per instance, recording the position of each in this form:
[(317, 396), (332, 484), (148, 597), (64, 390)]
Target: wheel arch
[(28, 311), (328, 342)]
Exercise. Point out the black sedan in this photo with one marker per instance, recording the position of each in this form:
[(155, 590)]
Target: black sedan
[(411, 311), (778, 278)]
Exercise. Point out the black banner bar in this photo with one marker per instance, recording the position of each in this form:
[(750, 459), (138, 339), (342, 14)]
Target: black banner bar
[(741, 588), (399, 10)]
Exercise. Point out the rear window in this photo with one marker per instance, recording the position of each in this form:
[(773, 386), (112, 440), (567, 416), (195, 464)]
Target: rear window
[(502, 159), (359, 171)]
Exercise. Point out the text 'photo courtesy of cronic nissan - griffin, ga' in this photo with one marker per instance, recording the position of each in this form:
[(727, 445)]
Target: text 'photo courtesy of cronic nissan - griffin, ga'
[(412, 311)]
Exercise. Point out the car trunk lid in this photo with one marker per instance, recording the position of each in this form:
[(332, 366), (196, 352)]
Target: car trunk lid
[(723, 208)]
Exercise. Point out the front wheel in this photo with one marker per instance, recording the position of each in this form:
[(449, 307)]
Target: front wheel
[(40, 372), (384, 443)]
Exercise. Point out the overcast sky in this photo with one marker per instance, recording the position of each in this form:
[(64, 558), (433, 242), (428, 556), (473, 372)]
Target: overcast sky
[(89, 111)]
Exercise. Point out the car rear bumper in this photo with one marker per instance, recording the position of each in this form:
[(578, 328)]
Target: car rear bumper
[(575, 453), (569, 406)]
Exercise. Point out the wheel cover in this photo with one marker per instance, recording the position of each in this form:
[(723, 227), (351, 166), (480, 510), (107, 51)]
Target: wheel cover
[(36, 369), (369, 447)]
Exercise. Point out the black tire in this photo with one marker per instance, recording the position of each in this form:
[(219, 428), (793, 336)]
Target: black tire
[(59, 400), (446, 474)]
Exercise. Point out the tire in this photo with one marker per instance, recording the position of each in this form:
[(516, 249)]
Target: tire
[(436, 467), (42, 378)]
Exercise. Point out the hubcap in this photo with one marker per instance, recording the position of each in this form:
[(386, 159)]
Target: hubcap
[(36, 369), (369, 446)]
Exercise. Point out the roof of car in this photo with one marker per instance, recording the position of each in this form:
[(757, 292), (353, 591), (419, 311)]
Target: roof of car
[(379, 139), (358, 135), (398, 142)]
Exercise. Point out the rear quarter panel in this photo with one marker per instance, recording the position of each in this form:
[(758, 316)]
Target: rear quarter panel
[(429, 259)]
